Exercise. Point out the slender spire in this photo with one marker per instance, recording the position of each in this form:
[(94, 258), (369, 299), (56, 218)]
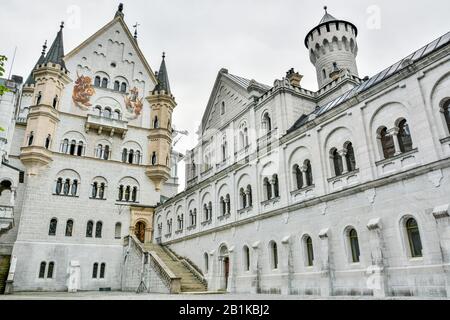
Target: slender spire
[(56, 52), (30, 79), (163, 77), (327, 17), (119, 12)]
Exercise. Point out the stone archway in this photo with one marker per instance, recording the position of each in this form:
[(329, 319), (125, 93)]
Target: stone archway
[(224, 270), (139, 231)]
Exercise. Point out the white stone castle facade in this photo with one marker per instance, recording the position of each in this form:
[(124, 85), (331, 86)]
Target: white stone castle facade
[(342, 191)]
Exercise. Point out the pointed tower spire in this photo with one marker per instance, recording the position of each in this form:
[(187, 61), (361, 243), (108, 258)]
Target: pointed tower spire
[(56, 52), (30, 79), (119, 12), (163, 77)]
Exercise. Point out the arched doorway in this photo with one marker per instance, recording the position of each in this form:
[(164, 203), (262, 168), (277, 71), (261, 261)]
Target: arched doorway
[(139, 231), (224, 261)]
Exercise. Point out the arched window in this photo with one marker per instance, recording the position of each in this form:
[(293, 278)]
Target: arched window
[(268, 189), (55, 102), (42, 267), (156, 123), (69, 228), (89, 229), (98, 229), (73, 145), (101, 193), (206, 259), (30, 138), (116, 85), (105, 83), (39, 98), (243, 198), (80, 148), (51, 267), (194, 216), (134, 194), (350, 157), (267, 123), (250, 196), (107, 113), (123, 87), (66, 187), (102, 270), (97, 81), (138, 157), (127, 193), (95, 271), (74, 188), (298, 177), (52, 227), (59, 184), (415, 243), (106, 153), (98, 110), (131, 156), (276, 186), (337, 162), (274, 254), (223, 209), (154, 159), (246, 254), (404, 136), (387, 143), (118, 114), (118, 231), (205, 212), (65, 146), (99, 151), (324, 74), (309, 251), (121, 190), (354, 245), (94, 190), (47, 141), (446, 111), (228, 203), (124, 155), (309, 174)]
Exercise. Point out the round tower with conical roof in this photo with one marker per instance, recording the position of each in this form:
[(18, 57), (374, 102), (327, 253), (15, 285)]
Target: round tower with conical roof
[(333, 48)]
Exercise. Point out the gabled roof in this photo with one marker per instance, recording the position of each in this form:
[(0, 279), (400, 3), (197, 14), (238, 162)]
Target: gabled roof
[(56, 52), (117, 18), (376, 79), (245, 83), (30, 79), (163, 78)]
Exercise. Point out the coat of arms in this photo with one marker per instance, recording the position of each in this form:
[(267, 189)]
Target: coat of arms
[(82, 92), (134, 104)]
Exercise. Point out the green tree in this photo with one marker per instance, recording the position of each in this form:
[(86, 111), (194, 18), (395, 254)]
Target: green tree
[(3, 59)]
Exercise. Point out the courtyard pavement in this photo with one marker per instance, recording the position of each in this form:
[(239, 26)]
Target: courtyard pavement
[(133, 296)]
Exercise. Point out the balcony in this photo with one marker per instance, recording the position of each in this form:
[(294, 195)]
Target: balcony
[(303, 194), (242, 154), (222, 165), (398, 163), (343, 181), (106, 125), (267, 140), (6, 218)]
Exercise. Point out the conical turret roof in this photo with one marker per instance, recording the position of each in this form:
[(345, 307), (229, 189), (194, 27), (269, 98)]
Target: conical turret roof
[(163, 78), (30, 79), (56, 52)]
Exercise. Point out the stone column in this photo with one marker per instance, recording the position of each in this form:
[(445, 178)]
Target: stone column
[(272, 185), (286, 266), (256, 285), (345, 167), (394, 134), (376, 273), (326, 283), (247, 197), (210, 277), (12, 200), (232, 271), (303, 169)]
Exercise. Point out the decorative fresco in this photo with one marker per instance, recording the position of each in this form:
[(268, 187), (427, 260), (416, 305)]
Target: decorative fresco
[(82, 92), (134, 104)]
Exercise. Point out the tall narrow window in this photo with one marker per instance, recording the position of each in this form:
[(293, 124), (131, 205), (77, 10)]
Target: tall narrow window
[(243, 198), (80, 149), (66, 187), (154, 159), (39, 98), (337, 163), (223, 209), (446, 111), (228, 203), (105, 83), (106, 153), (298, 177), (309, 251), (59, 184), (309, 174), (55, 102), (350, 157), (276, 186), (107, 113), (98, 111), (127, 193), (116, 85), (95, 271), (124, 155), (98, 229), (94, 190), (246, 259), (387, 144), (74, 188), (69, 228), (206, 259), (42, 267), (156, 123), (250, 195), (415, 243), (268, 189), (51, 267), (97, 81), (274, 249), (52, 227), (121, 189), (354, 245), (118, 231), (31, 138), (131, 156), (65, 146), (123, 87), (101, 192), (73, 146), (89, 229), (138, 157), (134, 194), (102, 270), (404, 137), (47, 141)]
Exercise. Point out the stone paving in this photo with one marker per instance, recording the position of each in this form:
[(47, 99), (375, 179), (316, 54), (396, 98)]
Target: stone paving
[(133, 296)]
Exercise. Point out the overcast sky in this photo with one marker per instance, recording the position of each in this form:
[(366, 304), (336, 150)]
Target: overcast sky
[(256, 39)]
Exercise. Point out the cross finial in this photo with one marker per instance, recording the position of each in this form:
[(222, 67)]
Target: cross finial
[(62, 25), (164, 55), (135, 30), (120, 9), (44, 47)]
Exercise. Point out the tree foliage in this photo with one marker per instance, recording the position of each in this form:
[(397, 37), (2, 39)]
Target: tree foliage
[(3, 59)]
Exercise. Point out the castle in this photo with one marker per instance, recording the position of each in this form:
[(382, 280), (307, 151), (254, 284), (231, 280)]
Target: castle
[(340, 191)]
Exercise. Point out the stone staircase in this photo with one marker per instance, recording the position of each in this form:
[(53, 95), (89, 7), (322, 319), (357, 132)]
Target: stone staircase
[(191, 280), (4, 269)]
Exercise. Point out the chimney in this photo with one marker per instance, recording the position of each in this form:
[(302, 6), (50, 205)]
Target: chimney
[(294, 78)]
